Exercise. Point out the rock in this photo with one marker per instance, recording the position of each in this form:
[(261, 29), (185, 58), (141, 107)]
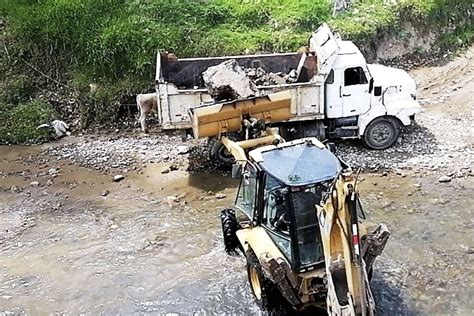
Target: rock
[(183, 150), (105, 193), (53, 171), (276, 79), (172, 200), (220, 196), (34, 183), (444, 179), (228, 81), (166, 170), (14, 189), (118, 178), (174, 167)]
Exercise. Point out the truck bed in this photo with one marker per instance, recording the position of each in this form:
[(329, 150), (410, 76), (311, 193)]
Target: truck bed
[(180, 86)]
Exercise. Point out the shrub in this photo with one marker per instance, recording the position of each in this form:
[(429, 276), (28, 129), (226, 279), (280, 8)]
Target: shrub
[(20, 122)]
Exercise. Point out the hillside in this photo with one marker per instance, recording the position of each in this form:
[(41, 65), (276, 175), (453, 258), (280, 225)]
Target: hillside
[(84, 60)]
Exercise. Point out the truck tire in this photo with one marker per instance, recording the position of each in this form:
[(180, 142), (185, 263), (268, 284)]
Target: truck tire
[(266, 293), (381, 133), (220, 155), (229, 230)]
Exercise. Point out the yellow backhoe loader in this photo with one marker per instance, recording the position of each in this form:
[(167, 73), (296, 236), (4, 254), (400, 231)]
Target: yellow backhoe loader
[(297, 213)]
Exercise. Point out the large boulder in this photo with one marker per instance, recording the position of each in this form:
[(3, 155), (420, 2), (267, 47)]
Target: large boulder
[(228, 81)]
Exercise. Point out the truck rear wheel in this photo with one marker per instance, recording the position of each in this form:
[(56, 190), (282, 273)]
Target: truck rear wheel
[(219, 154), (266, 293), (229, 230), (381, 133)]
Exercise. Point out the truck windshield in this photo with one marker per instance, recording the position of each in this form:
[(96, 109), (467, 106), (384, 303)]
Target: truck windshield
[(306, 223)]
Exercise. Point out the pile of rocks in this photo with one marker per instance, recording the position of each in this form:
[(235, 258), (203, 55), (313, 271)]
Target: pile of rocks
[(426, 146), (261, 78), (129, 153), (117, 152), (229, 81)]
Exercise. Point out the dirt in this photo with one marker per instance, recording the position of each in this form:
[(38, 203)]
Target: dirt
[(78, 242)]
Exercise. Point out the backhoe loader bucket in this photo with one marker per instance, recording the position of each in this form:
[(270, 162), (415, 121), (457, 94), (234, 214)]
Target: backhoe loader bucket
[(227, 117)]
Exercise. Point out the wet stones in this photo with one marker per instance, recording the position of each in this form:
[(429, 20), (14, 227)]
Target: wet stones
[(118, 178), (34, 184), (444, 179), (220, 196)]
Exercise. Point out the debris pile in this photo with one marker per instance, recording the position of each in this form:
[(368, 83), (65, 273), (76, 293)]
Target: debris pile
[(125, 153), (228, 81), (261, 78)]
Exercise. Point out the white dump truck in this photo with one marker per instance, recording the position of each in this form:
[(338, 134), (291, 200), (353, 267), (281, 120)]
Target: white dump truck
[(336, 94)]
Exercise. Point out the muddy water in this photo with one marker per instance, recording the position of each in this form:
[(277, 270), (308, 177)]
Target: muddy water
[(66, 248)]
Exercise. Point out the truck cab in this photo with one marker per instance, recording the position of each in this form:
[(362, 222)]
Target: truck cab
[(335, 94), (361, 96)]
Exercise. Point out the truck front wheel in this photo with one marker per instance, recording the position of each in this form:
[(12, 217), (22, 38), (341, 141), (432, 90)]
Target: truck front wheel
[(381, 133)]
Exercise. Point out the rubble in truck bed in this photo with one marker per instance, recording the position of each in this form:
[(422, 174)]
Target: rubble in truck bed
[(229, 81)]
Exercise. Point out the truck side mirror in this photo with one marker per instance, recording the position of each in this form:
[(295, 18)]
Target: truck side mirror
[(378, 91), (236, 171), (371, 85)]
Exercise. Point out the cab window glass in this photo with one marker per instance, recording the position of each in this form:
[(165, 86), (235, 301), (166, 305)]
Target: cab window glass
[(307, 225), (282, 243), (330, 78), (247, 191), (276, 212), (354, 76)]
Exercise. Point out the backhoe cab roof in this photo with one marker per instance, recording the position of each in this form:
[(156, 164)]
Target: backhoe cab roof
[(299, 162)]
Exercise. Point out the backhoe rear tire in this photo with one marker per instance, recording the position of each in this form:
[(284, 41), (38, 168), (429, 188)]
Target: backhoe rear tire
[(229, 230), (266, 293), (381, 133)]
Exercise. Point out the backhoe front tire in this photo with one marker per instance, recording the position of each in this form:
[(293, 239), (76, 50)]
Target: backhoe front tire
[(381, 133), (266, 293), (229, 230)]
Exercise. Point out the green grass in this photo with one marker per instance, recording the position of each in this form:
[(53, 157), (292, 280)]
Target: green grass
[(20, 122)]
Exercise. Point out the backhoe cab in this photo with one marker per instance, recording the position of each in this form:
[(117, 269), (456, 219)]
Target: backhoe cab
[(296, 219)]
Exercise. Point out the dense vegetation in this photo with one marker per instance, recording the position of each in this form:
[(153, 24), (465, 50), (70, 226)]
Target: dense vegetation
[(113, 42)]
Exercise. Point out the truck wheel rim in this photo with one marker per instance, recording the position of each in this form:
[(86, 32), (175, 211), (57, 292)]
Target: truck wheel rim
[(381, 133), (255, 283)]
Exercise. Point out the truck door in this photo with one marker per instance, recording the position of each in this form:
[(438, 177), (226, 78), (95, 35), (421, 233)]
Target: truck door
[(355, 92)]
